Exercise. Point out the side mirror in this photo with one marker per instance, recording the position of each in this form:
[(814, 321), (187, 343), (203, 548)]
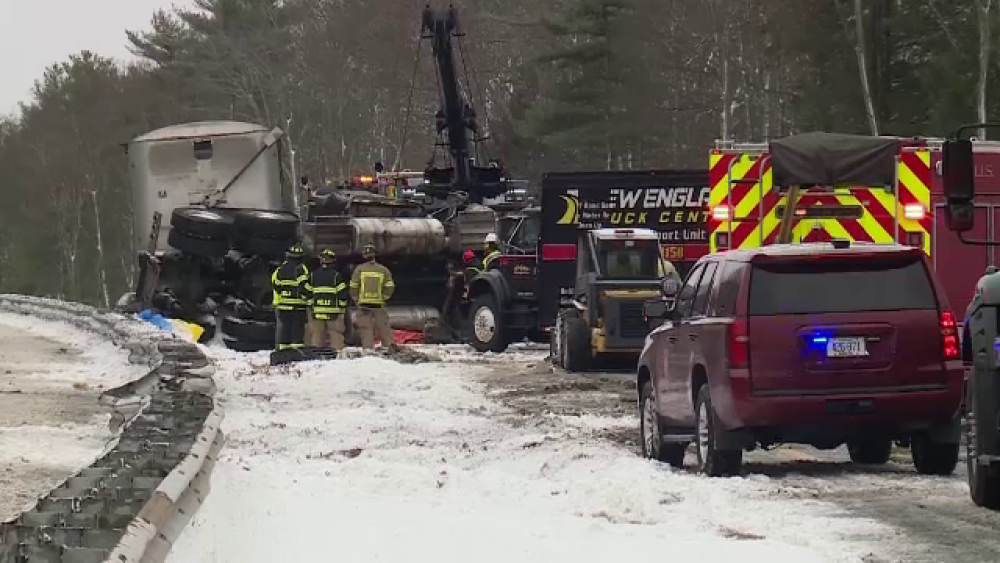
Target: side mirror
[(958, 177), (655, 310), (670, 286)]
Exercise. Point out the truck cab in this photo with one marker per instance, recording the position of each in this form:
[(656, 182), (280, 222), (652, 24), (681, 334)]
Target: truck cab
[(617, 270)]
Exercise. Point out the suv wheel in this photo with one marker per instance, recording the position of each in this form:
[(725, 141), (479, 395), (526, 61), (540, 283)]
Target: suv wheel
[(650, 438), (870, 450), (711, 461), (933, 458)]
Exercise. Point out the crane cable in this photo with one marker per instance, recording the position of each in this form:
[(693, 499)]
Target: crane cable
[(409, 103), (473, 85)]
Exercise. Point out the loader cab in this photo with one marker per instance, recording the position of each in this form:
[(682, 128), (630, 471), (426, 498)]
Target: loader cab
[(617, 270)]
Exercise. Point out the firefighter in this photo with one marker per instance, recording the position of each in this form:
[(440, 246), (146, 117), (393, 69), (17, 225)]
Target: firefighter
[(491, 250), (290, 283), (371, 288), (469, 267), (329, 301)]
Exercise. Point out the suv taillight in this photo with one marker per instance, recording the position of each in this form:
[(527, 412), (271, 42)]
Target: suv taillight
[(949, 336), (739, 344)]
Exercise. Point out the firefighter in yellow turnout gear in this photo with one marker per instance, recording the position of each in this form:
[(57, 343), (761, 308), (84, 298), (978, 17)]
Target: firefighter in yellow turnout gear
[(371, 288), (329, 301), (290, 283)]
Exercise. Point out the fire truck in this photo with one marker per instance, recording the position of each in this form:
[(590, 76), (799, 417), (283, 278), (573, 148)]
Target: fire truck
[(746, 207)]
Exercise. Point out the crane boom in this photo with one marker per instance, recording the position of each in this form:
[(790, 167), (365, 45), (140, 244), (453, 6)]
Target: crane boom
[(457, 118)]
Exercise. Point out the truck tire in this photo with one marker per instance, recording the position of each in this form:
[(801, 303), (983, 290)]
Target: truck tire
[(933, 458), (265, 224), (266, 247), (486, 324), (577, 351), (202, 222), (984, 480), (711, 461), (238, 345), (197, 246), (870, 450), (248, 329)]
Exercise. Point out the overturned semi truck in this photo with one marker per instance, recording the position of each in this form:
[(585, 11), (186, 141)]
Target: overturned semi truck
[(214, 214)]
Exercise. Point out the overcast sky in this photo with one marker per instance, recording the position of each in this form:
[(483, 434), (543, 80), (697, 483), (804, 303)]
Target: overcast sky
[(37, 33)]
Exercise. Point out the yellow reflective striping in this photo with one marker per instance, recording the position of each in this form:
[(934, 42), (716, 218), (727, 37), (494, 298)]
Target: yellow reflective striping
[(756, 197), (867, 221), (912, 182)]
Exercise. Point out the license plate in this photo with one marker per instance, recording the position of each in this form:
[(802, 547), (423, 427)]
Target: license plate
[(846, 348)]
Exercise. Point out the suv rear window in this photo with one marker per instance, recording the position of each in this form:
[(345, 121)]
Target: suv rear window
[(838, 286)]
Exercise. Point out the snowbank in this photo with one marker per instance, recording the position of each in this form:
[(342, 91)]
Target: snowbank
[(102, 365), (366, 459)]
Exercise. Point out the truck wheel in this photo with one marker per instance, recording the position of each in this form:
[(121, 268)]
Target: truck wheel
[(711, 461), (486, 322), (870, 450), (198, 246), (933, 458), (247, 329), (650, 438), (202, 222), (984, 480), (577, 352), (265, 224)]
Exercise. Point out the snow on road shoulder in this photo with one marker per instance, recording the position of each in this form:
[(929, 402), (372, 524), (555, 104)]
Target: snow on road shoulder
[(103, 364), (51, 423), (367, 459)]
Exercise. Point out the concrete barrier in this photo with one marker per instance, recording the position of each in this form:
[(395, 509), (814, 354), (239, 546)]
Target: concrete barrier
[(132, 503)]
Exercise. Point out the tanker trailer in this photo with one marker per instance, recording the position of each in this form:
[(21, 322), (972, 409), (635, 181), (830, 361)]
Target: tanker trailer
[(416, 246)]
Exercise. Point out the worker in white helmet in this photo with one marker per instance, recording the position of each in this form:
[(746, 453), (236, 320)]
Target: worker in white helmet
[(490, 249)]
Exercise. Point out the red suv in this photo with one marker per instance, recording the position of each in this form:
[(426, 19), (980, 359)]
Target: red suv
[(820, 344)]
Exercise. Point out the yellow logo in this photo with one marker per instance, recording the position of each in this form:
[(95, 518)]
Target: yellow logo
[(522, 270), (572, 214)]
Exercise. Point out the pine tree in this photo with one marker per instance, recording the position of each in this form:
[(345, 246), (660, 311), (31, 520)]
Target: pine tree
[(586, 113)]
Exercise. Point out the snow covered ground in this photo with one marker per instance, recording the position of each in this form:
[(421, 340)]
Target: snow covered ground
[(51, 425), (366, 459)]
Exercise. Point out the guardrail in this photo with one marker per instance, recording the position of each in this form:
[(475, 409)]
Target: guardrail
[(132, 503)]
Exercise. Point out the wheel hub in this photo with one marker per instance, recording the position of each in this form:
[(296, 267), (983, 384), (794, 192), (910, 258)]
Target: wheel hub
[(484, 324)]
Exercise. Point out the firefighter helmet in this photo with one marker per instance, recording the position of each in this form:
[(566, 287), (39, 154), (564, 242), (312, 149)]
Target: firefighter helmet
[(468, 256), (491, 238), (369, 251), (327, 255), (295, 251)]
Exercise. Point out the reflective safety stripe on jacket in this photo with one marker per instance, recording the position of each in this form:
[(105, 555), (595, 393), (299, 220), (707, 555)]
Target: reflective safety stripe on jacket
[(291, 287), (329, 293), (371, 287), (490, 256), (328, 300)]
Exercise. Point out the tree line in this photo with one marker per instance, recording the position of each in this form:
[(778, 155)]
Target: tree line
[(557, 84)]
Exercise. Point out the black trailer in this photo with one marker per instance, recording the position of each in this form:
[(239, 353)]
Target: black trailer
[(671, 202)]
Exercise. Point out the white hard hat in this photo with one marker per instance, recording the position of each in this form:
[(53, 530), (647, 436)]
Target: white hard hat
[(492, 237)]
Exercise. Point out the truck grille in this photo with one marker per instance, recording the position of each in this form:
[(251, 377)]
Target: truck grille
[(631, 320)]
